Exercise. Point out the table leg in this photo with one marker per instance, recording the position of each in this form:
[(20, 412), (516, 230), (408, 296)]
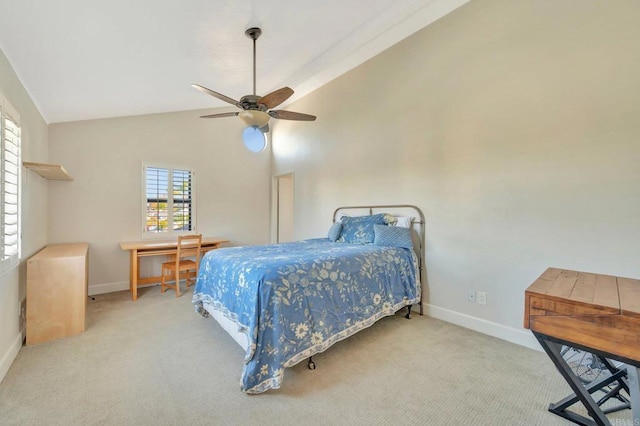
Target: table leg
[(634, 390), (553, 351), (594, 386), (135, 272)]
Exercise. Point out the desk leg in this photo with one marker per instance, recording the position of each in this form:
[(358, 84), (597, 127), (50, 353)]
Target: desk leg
[(553, 351), (133, 280), (634, 390)]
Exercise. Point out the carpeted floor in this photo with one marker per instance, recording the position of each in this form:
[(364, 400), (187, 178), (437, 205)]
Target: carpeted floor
[(157, 362)]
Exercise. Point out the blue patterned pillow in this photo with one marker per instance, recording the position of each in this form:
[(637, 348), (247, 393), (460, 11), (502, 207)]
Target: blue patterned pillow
[(392, 236), (334, 231), (359, 229)]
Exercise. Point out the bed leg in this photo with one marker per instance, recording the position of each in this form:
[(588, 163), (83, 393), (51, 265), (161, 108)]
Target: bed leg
[(408, 316), (311, 364)]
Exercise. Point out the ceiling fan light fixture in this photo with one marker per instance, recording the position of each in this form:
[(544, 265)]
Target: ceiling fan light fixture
[(254, 118), (254, 139)]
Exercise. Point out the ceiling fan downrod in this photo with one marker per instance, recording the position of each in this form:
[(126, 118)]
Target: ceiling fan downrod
[(253, 34)]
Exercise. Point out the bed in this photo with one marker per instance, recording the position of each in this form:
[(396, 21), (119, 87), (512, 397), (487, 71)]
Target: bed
[(283, 303)]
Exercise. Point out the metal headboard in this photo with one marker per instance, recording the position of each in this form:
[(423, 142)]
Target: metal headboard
[(417, 225)]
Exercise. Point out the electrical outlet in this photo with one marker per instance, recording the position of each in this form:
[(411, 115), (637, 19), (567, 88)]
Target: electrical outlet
[(481, 298), (471, 296)]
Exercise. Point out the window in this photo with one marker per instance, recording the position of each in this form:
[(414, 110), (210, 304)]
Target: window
[(169, 200), (10, 163)]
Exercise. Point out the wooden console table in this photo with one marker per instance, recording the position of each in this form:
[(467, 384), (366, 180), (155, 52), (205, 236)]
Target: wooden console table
[(596, 313), (146, 248)]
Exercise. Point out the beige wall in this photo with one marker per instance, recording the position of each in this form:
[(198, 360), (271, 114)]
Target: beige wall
[(103, 204), (285, 210), (34, 211), (513, 125)]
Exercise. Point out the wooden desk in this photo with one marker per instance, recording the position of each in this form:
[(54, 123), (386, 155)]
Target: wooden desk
[(146, 248), (599, 314)]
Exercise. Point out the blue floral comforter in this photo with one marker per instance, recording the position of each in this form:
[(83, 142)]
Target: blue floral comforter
[(296, 299)]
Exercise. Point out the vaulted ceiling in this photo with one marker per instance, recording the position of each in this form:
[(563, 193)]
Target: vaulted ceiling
[(84, 59)]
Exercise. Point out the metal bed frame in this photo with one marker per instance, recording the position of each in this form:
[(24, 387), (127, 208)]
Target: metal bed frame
[(417, 227), (418, 240), (418, 231)]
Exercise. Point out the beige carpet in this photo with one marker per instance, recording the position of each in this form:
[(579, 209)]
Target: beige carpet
[(157, 362)]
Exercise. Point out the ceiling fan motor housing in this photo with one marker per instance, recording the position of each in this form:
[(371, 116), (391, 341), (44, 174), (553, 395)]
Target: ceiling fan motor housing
[(250, 102)]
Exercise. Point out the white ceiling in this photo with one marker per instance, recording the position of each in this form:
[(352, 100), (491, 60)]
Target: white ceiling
[(84, 59)]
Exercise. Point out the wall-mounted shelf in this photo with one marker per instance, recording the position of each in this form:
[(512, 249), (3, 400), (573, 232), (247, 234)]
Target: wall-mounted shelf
[(48, 171)]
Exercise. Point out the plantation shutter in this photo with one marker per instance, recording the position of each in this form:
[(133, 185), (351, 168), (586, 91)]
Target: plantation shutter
[(169, 200), (10, 179), (182, 190), (157, 189)]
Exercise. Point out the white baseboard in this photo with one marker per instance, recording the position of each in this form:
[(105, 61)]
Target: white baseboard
[(9, 356), (108, 287), (510, 334)]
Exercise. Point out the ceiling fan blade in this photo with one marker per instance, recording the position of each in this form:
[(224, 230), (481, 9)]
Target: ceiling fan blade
[(216, 95), (222, 114), (274, 99), (290, 115)]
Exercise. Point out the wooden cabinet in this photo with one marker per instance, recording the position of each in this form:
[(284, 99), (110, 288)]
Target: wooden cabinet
[(56, 292)]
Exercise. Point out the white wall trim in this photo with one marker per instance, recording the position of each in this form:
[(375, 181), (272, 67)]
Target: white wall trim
[(9, 356), (510, 334), (108, 287)]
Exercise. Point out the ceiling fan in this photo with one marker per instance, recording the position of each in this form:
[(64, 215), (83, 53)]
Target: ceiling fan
[(257, 110)]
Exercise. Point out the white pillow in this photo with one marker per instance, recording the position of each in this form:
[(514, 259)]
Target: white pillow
[(404, 221)]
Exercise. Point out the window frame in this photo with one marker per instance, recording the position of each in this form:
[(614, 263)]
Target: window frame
[(8, 112), (170, 233)]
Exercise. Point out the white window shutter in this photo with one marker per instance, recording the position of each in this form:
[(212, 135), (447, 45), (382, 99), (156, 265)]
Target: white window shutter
[(168, 200), (10, 167)]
